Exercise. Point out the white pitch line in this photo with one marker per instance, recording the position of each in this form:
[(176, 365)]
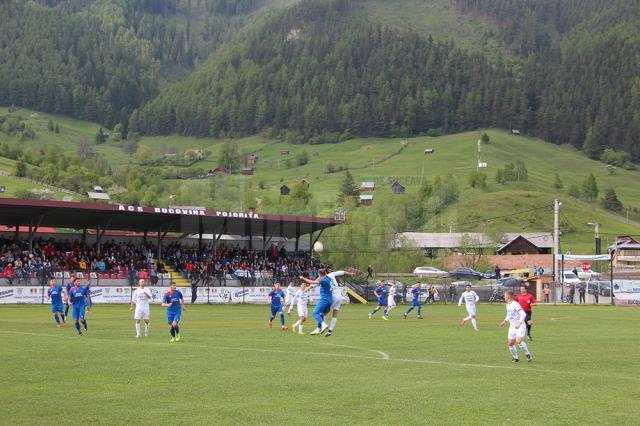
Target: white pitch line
[(334, 355), (385, 356)]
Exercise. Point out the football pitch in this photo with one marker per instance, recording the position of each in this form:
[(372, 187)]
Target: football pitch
[(230, 368)]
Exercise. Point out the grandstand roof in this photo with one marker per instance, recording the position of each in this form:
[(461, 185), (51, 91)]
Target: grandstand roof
[(124, 217)]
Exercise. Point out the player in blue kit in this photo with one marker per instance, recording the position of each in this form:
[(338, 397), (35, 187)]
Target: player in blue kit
[(381, 292), (323, 305), (58, 296), (69, 286), (174, 302), (87, 292), (78, 298), (415, 301), (277, 298)]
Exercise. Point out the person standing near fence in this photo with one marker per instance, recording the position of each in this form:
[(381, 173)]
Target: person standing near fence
[(596, 295), (432, 295), (582, 292), (453, 292), (526, 301), (546, 292)]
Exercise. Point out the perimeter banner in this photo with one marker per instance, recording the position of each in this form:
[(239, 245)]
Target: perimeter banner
[(104, 295)]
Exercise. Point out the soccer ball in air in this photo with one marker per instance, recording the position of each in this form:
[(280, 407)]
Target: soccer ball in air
[(318, 247)]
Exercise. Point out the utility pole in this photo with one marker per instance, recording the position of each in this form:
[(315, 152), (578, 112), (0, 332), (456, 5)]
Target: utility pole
[(556, 239)]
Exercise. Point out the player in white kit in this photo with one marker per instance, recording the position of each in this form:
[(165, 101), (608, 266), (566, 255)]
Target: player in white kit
[(336, 298), (141, 298), (391, 301), (517, 328), (470, 299), (290, 293), (301, 299)]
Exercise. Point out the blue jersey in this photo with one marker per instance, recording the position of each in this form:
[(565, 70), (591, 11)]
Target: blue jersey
[(415, 292), (325, 289), (381, 292), (277, 296), (174, 299), (87, 292), (77, 296), (55, 293)]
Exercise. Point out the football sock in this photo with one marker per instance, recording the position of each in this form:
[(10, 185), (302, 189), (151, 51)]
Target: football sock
[(282, 319), (146, 329), (389, 309), (529, 329), (467, 318), (57, 319), (419, 310), (295, 324), (318, 319), (411, 309), (271, 318), (475, 324), (177, 329), (525, 348), (514, 351), (384, 313), (173, 332), (84, 323), (78, 327), (373, 312), (66, 311), (137, 329), (333, 323), (300, 328)]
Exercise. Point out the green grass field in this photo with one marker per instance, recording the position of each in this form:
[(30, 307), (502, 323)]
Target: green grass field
[(231, 369)]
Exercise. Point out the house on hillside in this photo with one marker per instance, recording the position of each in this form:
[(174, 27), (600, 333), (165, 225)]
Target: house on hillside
[(625, 251), (429, 151), (440, 244), (219, 170), (515, 132), (252, 159), (366, 200), (194, 153), (247, 171), (304, 183), (397, 188), (284, 152), (284, 190), (367, 187), (521, 245)]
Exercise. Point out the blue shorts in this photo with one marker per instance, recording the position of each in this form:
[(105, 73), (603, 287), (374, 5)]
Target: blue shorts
[(323, 306), (276, 309), (57, 307), (415, 303), (173, 316), (382, 302), (78, 312)]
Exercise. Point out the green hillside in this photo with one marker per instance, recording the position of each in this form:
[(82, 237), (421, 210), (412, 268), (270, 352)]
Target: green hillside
[(164, 178)]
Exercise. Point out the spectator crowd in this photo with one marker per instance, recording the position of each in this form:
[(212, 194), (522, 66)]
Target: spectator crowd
[(19, 264)]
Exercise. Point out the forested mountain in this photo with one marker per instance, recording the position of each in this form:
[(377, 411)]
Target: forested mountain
[(100, 59), (320, 70)]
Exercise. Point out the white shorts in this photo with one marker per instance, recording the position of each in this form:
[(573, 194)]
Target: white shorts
[(471, 310), (336, 302), (517, 332), (141, 314), (303, 310), (391, 302)]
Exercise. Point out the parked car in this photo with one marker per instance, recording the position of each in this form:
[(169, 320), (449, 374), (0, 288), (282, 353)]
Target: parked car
[(466, 273), (602, 287), (503, 285), (571, 278), (585, 275), (430, 272), (490, 274)]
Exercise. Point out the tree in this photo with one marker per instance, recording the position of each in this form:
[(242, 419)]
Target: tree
[(84, 150), (57, 128), (116, 133), (348, 188), (143, 154), (590, 187), (574, 191), (485, 138), (477, 179), (610, 200), (557, 183), (21, 168), (301, 194), (521, 173), (229, 156), (130, 146), (302, 158), (50, 126)]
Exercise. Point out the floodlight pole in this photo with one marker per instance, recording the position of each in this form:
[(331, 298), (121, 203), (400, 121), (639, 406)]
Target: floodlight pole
[(556, 239)]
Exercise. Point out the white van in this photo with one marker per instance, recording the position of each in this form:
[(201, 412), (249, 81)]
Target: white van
[(570, 278)]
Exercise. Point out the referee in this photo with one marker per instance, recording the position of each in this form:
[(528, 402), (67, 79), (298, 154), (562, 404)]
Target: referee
[(526, 301)]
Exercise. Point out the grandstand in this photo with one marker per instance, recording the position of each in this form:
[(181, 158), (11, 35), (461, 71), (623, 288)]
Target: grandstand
[(115, 244)]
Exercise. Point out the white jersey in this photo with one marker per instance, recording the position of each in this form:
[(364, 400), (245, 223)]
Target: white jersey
[(470, 298), (335, 288), (301, 297), (391, 299), (515, 314), (291, 292), (142, 297)]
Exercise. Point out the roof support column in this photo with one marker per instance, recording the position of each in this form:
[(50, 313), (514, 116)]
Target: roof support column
[(248, 231), (158, 247), (297, 235), (200, 232)]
